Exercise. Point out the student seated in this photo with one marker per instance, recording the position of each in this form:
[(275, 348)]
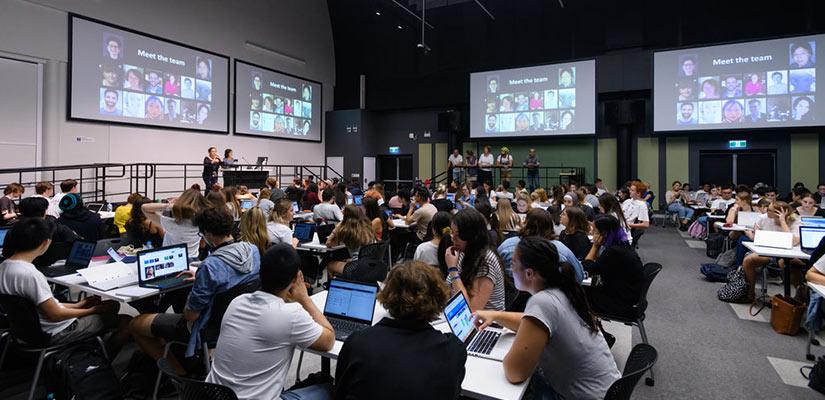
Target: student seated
[(506, 219), (327, 211), (62, 236), (260, 332), (310, 199), (808, 206), (427, 252), (576, 229), (277, 227), (677, 203), (473, 266), (124, 213), (422, 215), (177, 219), (354, 232), (141, 230), (400, 203), (635, 209), (466, 199), (253, 229), (780, 218), (381, 225), (244, 193), (609, 205), (556, 333), (403, 356), (229, 264), (230, 195), (264, 202), (440, 201), (612, 258), (65, 322), (78, 218), (7, 207)]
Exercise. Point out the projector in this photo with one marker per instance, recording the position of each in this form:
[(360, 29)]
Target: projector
[(424, 47)]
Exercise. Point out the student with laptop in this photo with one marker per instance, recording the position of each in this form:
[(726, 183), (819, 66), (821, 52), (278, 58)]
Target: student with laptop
[(327, 211), (677, 203), (260, 331), (421, 214), (29, 239), (557, 331), (354, 232), (742, 213), (278, 225), (229, 264), (780, 218), (78, 218), (403, 356), (808, 206)]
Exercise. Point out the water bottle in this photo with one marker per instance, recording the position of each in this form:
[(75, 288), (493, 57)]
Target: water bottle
[(109, 207), (147, 246)]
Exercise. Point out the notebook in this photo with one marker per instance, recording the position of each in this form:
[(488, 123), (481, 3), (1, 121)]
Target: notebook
[(350, 306)]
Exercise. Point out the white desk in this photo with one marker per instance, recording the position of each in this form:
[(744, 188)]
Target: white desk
[(811, 334), (106, 214), (732, 228), (317, 246), (786, 254), (483, 378), (401, 223), (711, 216), (303, 216), (78, 282)]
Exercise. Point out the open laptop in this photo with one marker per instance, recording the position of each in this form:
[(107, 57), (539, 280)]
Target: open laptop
[(490, 343), (247, 204), (295, 208), (780, 240), (3, 231), (304, 232), (357, 199), (79, 257), (350, 306), (324, 231), (95, 207), (810, 237), (747, 219), (451, 197), (158, 268), (813, 221)]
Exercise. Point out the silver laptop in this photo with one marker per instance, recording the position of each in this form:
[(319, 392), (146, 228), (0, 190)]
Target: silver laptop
[(779, 240), (747, 219), (492, 343)]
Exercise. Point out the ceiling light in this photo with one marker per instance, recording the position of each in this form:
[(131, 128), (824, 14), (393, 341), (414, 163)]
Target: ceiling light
[(378, 13), (400, 27)]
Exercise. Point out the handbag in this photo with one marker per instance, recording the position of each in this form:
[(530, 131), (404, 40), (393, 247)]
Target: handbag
[(816, 376), (786, 314), (736, 290)]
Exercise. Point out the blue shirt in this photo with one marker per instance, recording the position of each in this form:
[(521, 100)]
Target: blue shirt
[(508, 247)]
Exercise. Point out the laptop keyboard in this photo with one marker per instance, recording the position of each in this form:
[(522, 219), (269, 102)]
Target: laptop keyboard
[(163, 283), (484, 342), (344, 328)]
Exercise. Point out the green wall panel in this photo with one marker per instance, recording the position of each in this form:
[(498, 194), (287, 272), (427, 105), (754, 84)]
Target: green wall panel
[(606, 149), (648, 162), (805, 159), (677, 155)]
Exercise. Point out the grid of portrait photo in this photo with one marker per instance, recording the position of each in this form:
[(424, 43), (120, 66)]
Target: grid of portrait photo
[(141, 93), (277, 110), (751, 97), (552, 108)]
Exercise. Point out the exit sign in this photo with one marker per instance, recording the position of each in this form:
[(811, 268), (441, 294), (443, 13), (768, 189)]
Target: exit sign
[(395, 150), (737, 144)]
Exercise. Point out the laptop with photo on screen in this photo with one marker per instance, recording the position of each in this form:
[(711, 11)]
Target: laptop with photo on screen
[(746, 219), (810, 237), (79, 257), (779, 240), (491, 343), (247, 204), (304, 232), (159, 268), (350, 306), (813, 221)]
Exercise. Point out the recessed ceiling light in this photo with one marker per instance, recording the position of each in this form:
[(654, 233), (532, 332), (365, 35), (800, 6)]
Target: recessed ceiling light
[(378, 13), (400, 27)]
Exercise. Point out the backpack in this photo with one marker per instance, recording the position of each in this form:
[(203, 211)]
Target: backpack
[(736, 290), (697, 230), (81, 371), (727, 259), (715, 242), (816, 376), (715, 272)]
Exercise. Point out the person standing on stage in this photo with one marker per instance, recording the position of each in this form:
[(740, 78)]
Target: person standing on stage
[(211, 165), (532, 163)]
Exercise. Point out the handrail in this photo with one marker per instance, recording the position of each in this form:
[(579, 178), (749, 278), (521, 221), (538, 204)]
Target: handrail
[(546, 174)]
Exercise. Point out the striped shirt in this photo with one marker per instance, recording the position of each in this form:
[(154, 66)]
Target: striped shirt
[(490, 268)]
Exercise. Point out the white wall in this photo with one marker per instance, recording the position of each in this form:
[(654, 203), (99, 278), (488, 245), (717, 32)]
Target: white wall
[(37, 30)]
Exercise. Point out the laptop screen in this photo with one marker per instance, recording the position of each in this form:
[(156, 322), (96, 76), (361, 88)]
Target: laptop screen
[(81, 253), (295, 207), (357, 199), (247, 204), (810, 236), (351, 300), (3, 232), (162, 262), (451, 197), (303, 232), (813, 221), (459, 316)]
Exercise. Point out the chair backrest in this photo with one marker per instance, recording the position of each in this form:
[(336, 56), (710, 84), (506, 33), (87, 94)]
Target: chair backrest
[(371, 265), (190, 389), (649, 272), (24, 321), (105, 244), (640, 360), (219, 305), (636, 234)]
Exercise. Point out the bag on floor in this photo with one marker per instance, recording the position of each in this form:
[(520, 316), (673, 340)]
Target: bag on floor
[(816, 376), (727, 259), (697, 230), (82, 371), (715, 272), (736, 290), (715, 242), (786, 315)]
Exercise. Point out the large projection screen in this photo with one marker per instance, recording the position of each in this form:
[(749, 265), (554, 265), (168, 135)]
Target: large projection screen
[(546, 100), (276, 105), (122, 76), (764, 84)]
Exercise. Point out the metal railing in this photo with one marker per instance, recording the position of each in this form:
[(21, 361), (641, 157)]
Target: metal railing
[(548, 176), (112, 182)]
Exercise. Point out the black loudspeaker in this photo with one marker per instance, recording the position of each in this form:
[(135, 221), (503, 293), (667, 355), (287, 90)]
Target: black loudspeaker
[(449, 121), (624, 112), (637, 112), (611, 112)]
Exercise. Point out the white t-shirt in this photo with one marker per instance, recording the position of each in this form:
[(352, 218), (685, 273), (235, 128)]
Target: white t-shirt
[(20, 278), (820, 265), (456, 160), (183, 232), (259, 334), (328, 212), (427, 253), (508, 159), (278, 233), (487, 160), (765, 223), (635, 210), (54, 203)]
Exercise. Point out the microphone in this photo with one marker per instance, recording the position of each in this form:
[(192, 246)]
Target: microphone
[(245, 161)]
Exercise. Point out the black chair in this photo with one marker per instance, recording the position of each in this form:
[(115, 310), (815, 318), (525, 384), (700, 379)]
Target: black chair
[(636, 234), (26, 334), (104, 244), (190, 389), (636, 315), (640, 360), (371, 265)]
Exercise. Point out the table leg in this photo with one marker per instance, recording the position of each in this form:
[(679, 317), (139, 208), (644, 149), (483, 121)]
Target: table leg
[(786, 277), (326, 366)]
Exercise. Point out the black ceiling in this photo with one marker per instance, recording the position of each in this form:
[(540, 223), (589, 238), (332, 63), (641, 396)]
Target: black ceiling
[(465, 39)]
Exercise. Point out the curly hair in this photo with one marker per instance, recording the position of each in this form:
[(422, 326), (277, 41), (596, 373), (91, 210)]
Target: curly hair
[(414, 291)]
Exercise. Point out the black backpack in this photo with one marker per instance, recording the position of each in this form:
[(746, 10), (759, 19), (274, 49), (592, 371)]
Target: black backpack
[(816, 376), (82, 371), (715, 243)]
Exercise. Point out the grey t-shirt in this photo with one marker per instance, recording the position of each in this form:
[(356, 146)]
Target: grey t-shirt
[(576, 362)]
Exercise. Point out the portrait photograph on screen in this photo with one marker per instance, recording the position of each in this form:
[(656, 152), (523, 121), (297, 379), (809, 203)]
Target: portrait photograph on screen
[(761, 84), (546, 100), (276, 105), (122, 76)]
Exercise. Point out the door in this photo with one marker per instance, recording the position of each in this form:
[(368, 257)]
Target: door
[(755, 167), (20, 116), (369, 171), (716, 168), (395, 172), (740, 167)]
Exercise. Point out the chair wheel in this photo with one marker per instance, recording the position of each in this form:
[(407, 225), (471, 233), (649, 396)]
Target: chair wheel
[(810, 357), (649, 381)]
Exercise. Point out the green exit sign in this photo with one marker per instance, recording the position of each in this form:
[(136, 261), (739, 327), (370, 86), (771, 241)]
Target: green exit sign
[(737, 144)]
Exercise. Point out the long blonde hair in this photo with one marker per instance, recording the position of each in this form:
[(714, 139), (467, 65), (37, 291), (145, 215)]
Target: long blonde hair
[(542, 195), (507, 218), (354, 231), (280, 211), (253, 228)]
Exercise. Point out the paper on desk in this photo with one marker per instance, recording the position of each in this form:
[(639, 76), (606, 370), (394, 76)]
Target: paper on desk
[(115, 271)]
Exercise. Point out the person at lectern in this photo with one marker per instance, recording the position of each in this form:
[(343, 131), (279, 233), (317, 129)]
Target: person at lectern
[(211, 165)]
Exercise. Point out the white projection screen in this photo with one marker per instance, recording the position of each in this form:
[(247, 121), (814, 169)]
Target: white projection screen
[(122, 76), (764, 84), (276, 105), (546, 100)]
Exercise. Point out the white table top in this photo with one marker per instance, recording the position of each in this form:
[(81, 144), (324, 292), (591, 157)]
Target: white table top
[(106, 214), (483, 378), (316, 245), (795, 252), (818, 288), (302, 216), (716, 216), (733, 228), (78, 282), (401, 223)]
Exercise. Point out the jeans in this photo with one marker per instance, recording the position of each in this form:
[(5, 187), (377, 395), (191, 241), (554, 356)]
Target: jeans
[(208, 181), (485, 176), (741, 250), (540, 389), (680, 210), (532, 179), (457, 175), (314, 392)]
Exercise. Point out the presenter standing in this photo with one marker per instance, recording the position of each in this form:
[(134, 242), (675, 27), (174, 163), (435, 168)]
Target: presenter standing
[(211, 164), (532, 163)]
